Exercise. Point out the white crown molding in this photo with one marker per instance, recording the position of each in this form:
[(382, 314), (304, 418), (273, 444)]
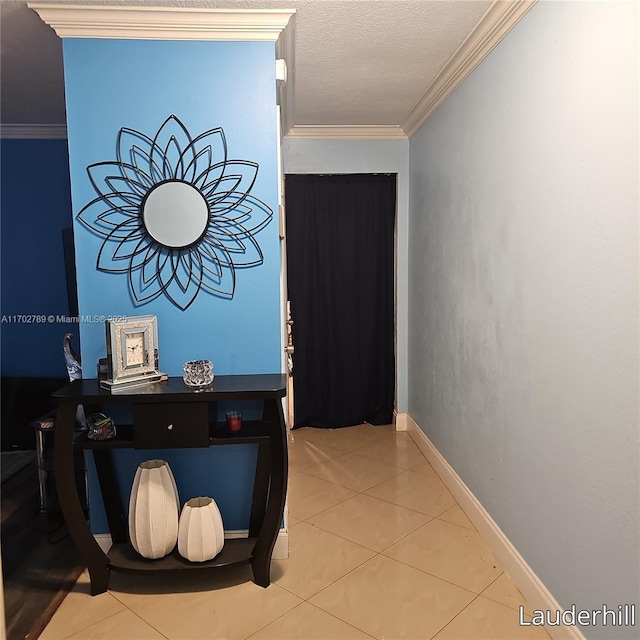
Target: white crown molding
[(179, 23), (346, 132), (494, 25), (33, 131), (162, 23)]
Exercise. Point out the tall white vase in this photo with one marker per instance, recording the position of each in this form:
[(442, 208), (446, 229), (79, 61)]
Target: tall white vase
[(200, 532), (153, 510)]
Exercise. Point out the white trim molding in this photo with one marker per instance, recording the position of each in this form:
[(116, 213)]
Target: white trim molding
[(281, 70), (104, 541), (535, 592), (277, 25), (180, 23), (33, 131), (285, 50), (162, 23), (346, 132), (494, 25), (400, 420), (281, 548)]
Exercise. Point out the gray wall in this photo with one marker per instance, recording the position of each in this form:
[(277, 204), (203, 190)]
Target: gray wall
[(523, 307), (367, 156)]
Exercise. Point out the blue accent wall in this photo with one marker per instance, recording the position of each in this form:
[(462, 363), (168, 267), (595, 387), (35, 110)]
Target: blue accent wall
[(112, 84), (138, 84), (36, 207)]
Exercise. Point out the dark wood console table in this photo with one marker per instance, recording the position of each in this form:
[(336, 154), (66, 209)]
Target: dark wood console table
[(170, 415)]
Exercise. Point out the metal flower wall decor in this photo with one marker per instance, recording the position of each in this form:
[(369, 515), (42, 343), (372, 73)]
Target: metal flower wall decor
[(176, 214)]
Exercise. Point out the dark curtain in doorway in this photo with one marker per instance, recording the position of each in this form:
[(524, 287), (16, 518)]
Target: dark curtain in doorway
[(340, 273)]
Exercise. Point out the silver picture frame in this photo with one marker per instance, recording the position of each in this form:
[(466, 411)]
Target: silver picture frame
[(125, 364)]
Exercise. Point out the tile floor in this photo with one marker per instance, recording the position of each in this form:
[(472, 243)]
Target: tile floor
[(378, 547)]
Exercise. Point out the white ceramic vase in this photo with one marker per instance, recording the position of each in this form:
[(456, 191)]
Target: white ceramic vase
[(200, 532), (153, 510)]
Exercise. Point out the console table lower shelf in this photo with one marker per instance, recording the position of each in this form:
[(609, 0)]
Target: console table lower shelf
[(124, 558), (169, 415)]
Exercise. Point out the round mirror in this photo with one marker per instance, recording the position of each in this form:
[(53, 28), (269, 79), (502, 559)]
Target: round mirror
[(175, 214)]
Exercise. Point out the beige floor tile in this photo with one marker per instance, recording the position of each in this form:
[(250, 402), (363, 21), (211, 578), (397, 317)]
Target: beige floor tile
[(354, 471), (456, 515), (373, 523), (316, 559), (449, 552), (429, 571), (80, 610), (310, 623), (346, 439), (400, 451), (387, 599), (505, 592), (425, 467), (124, 625), (309, 495), (202, 605), (304, 454), (291, 521), (383, 431), (485, 619), (416, 491)]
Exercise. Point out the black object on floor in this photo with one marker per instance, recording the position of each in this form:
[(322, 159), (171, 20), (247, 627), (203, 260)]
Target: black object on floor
[(40, 563), (13, 461)]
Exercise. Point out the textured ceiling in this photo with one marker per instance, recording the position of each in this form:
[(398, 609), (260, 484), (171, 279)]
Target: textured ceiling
[(357, 62)]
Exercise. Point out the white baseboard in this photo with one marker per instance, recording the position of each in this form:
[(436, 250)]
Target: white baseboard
[(104, 540), (280, 551), (534, 591), (400, 420)]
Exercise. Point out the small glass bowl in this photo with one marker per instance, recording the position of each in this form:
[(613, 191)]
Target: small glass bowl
[(198, 373)]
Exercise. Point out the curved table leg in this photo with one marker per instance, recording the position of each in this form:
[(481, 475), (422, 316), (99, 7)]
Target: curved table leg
[(263, 549), (91, 553)]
